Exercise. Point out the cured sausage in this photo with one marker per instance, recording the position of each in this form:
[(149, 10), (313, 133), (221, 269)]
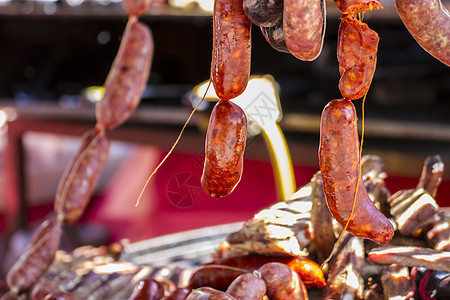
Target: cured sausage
[(357, 6), (217, 277), (224, 149), (148, 289), (230, 67), (81, 176), (303, 26), (37, 257), (357, 56), (136, 7), (428, 21), (282, 283), (247, 287), (339, 166), (264, 13), (206, 293), (128, 76), (275, 37)]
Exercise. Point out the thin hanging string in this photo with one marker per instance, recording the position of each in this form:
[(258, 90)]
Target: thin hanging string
[(356, 187), (173, 147)]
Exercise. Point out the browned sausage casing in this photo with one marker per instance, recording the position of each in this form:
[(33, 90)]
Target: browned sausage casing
[(128, 76), (303, 26), (224, 149), (136, 7), (81, 176), (247, 287), (214, 276), (339, 166), (148, 289), (38, 255), (428, 21), (230, 67), (357, 55), (282, 283), (206, 293)]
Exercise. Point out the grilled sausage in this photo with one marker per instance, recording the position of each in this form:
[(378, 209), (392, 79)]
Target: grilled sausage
[(282, 283), (247, 287), (339, 166), (214, 276)]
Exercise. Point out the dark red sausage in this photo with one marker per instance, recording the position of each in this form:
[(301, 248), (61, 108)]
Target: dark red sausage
[(282, 283), (303, 26), (275, 36), (136, 7), (357, 57), (264, 13), (206, 293), (428, 21), (357, 6), (128, 76), (247, 287), (148, 289), (81, 176), (230, 67), (224, 149), (37, 257), (339, 166), (214, 276)]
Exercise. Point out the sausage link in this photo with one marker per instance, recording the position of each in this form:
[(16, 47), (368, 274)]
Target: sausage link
[(264, 13), (275, 37), (282, 283), (148, 289), (428, 21), (216, 277), (357, 6), (247, 287), (206, 293), (339, 166), (136, 7), (224, 149), (303, 26), (357, 57), (44, 289), (230, 67), (37, 257), (81, 176), (128, 76), (179, 294)]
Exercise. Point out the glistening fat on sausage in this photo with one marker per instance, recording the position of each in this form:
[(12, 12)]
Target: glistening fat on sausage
[(339, 166), (230, 67), (128, 76), (224, 149)]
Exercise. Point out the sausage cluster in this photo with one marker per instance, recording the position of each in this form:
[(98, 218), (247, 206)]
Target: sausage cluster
[(123, 89)]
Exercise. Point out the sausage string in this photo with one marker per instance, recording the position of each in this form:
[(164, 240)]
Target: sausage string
[(173, 146)]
